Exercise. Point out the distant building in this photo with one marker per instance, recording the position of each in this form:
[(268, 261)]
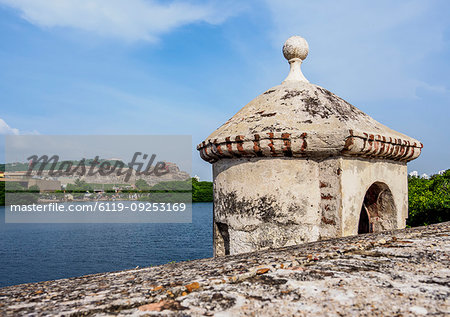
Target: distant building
[(18, 174), (22, 178), (45, 185)]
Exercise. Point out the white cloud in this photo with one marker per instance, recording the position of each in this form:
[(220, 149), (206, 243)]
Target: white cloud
[(126, 19), (6, 129)]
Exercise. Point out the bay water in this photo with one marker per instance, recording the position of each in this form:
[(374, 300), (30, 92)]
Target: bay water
[(41, 252)]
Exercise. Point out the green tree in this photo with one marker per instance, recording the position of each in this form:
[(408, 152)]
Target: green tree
[(170, 191), (2, 193), (79, 188), (20, 195), (202, 191), (34, 189), (429, 199), (142, 185)]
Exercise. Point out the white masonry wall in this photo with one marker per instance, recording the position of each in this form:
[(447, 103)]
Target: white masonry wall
[(358, 175), (265, 203)]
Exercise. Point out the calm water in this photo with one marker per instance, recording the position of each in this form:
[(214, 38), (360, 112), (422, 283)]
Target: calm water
[(40, 252)]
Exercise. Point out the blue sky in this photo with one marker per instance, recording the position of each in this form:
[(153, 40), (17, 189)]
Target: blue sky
[(185, 67)]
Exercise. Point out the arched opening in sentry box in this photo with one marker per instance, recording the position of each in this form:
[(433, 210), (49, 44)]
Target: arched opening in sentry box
[(378, 211)]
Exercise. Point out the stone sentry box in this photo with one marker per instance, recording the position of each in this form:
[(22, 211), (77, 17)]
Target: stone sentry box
[(300, 164)]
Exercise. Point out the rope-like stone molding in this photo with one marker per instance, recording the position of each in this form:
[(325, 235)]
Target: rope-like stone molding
[(276, 144), (271, 144), (375, 145)]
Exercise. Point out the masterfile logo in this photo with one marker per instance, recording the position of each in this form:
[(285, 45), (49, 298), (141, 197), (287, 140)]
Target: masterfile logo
[(96, 178)]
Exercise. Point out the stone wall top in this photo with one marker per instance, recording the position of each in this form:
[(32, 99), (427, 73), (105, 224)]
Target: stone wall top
[(402, 272)]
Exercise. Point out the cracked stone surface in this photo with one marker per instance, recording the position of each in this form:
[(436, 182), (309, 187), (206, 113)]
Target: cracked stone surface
[(397, 273)]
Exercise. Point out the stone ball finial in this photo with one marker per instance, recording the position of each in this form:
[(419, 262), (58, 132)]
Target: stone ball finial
[(295, 50), (295, 47)]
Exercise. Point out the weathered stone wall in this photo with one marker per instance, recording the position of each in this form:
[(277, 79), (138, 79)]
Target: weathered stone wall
[(45, 184), (265, 203), (398, 273), (356, 178), (330, 198)]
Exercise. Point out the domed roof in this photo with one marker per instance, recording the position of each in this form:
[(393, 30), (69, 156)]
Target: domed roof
[(300, 119)]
